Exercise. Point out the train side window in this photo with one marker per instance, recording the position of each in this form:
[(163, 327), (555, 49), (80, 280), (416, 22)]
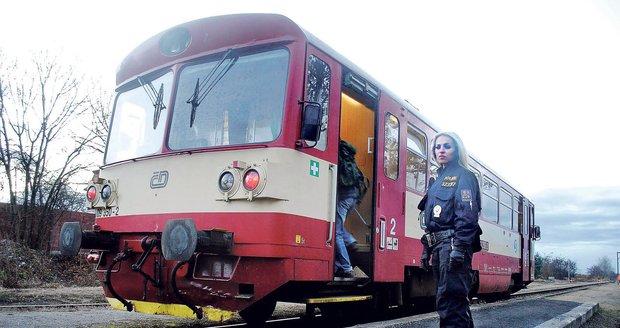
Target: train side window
[(515, 213), (416, 160), (505, 208), (317, 90), (489, 199), (390, 151)]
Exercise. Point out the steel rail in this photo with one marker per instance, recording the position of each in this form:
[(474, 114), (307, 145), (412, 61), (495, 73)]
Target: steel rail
[(34, 307)]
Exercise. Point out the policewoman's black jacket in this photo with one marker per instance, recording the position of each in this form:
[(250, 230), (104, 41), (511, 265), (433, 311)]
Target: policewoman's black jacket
[(453, 202)]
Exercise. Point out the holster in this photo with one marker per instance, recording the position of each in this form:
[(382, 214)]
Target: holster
[(434, 238)]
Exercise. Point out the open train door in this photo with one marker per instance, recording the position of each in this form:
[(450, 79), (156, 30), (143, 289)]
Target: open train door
[(390, 191)]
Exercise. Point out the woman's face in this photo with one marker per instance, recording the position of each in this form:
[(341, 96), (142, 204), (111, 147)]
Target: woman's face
[(444, 150)]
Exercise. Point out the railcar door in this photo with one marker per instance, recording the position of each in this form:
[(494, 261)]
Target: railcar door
[(390, 191), (534, 235), (323, 87), (525, 239), (357, 127)]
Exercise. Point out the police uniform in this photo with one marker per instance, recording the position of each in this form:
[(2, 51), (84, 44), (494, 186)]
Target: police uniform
[(451, 217)]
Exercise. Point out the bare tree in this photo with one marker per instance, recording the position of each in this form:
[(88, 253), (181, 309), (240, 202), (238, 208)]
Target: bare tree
[(100, 110), (42, 146), (603, 269), (558, 267)]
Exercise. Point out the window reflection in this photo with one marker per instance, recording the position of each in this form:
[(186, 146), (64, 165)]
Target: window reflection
[(515, 213), (132, 134), (489, 200), (317, 90), (390, 152), (244, 106), (416, 160), (505, 209)]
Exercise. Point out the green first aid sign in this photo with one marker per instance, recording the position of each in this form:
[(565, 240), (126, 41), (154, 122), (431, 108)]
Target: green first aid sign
[(314, 168)]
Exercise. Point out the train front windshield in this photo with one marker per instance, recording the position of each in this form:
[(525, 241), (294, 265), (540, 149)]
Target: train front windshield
[(233, 100)]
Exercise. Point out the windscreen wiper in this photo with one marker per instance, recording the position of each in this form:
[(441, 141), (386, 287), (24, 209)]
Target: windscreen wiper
[(157, 98), (203, 88)]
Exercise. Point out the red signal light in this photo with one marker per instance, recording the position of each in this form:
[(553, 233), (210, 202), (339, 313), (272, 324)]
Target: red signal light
[(91, 193), (251, 179)]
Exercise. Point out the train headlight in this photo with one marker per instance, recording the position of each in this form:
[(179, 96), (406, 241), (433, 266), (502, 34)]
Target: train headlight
[(175, 41), (251, 179), (254, 181), (227, 181), (91, 193), (231, 179), (106, 192)]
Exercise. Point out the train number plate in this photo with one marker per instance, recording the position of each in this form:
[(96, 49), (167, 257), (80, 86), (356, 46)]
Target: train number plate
[(106, 212)]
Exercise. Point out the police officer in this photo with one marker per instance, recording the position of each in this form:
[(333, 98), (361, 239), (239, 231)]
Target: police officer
[(452, 231)]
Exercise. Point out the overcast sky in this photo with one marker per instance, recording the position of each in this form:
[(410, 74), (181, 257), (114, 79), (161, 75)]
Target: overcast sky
[(532, 87)]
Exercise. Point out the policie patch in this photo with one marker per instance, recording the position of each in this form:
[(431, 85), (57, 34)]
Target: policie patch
[(466, 195)]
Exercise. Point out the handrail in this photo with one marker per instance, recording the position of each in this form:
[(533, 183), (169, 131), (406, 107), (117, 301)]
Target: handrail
[(107, 279), (197, 310), (332, 205)]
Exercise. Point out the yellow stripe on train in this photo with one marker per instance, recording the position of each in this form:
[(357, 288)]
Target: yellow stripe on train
[(178, 310)]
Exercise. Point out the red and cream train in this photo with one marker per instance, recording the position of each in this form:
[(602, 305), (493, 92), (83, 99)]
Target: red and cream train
[(218, 190)]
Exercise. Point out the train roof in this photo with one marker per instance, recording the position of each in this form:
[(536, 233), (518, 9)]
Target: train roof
[(212, 34)]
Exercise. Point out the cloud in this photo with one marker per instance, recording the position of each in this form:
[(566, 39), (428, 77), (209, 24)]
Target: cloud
[(580, 224)]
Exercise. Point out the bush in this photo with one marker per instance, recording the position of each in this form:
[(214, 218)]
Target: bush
[(22, 267)]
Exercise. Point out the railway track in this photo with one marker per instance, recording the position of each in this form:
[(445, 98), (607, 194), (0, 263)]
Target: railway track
[(289, 314), (37, 307)]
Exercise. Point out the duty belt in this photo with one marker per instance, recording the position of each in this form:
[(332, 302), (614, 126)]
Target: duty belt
[(433, 238)]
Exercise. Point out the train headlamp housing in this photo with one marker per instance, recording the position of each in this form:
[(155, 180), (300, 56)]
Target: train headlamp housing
[(101, 194), (251, 176), (175, 41), (251, 179), (254, 180), (91, 193), (108, 193), (227, 181), (93, 196)]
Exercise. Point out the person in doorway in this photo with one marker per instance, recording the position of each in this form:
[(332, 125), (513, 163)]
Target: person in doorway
[(452, 231), (349, 193)]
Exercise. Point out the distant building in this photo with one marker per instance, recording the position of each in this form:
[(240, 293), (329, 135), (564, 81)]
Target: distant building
[(86, 221)]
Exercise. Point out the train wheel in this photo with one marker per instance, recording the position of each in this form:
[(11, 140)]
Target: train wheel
[(259, 312)]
